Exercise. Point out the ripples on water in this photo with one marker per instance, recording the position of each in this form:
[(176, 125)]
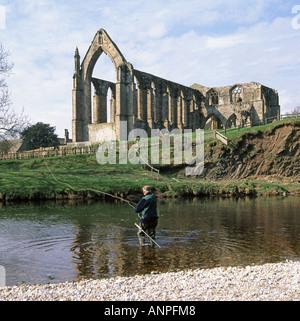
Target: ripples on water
[(60, 242)]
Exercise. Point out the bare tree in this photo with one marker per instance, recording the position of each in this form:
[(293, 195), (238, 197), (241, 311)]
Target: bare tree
[(11, 123), (296, 110)]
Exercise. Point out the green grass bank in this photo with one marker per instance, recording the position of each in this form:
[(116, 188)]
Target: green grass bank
[(82, 177)]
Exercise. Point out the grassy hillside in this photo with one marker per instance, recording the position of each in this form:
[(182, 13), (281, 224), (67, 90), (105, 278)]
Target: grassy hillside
[(80, 176)]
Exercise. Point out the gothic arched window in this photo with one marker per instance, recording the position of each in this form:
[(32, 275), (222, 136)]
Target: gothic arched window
[(237, 95), (213, 97)]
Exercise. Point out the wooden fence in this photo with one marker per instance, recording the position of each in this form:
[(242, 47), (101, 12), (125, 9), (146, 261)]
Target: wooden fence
[(296, 115), (225, 140), (92, 149), (221, 137), (62, 151), (51, 152)]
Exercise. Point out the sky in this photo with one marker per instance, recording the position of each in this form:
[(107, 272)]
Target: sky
[(212, 43)]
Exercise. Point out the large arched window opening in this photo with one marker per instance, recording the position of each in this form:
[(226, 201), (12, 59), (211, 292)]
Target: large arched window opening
[(139, 97), (213, 122), (236, 94), (231, 121), (104, 70), (246, 119), (110, 107)]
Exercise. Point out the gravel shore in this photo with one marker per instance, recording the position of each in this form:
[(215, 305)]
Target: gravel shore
[(275, 282)]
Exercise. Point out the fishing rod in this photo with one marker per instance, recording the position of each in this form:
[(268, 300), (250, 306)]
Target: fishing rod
[(151, 239), (92, 190), (104, 193)]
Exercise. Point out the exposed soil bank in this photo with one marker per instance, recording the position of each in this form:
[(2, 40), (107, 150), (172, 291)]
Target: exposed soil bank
[(264, 153), (258, 163)]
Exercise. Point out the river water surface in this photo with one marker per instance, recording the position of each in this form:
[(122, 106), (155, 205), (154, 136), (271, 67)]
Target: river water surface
[(57, 242)]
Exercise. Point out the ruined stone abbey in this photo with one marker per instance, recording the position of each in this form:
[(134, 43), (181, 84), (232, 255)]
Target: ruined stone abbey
[(149, 102)]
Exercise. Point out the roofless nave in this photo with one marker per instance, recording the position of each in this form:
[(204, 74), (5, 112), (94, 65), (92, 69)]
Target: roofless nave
[(146, 101)]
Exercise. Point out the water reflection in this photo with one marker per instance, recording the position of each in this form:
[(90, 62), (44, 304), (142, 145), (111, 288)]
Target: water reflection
[(95, 240)]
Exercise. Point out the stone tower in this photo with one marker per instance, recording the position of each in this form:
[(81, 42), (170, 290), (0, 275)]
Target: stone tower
[(99, 130)]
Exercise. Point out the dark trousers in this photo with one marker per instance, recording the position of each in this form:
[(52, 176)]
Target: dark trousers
[(149, 228)]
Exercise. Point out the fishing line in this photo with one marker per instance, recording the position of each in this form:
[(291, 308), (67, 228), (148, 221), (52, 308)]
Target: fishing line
[(100, 192), (91, 189), (104, 193)]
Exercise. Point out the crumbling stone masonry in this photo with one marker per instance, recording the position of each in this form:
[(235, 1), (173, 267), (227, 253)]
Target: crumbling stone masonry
[(146, 101)]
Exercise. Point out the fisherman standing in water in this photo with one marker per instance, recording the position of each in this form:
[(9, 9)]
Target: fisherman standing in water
[(148, 215)]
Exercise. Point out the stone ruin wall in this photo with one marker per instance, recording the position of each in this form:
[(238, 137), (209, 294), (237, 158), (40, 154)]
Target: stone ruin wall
[(149, 102)]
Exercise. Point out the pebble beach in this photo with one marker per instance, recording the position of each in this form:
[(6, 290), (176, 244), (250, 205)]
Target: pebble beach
[(268, 282)]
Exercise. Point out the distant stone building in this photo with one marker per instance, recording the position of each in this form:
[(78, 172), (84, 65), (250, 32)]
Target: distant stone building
[(146, 101)]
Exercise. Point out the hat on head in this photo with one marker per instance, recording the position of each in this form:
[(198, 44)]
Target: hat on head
[(146, 189)]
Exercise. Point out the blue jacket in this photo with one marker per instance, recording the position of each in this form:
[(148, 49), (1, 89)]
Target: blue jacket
[(147, 208)]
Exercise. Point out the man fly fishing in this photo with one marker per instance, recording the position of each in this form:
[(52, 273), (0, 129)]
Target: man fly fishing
[(147, 209)]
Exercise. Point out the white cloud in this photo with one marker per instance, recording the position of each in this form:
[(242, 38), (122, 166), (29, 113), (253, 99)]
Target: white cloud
[(213, 43)]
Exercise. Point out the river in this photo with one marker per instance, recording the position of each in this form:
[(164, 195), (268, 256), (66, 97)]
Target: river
[(57, 242)]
